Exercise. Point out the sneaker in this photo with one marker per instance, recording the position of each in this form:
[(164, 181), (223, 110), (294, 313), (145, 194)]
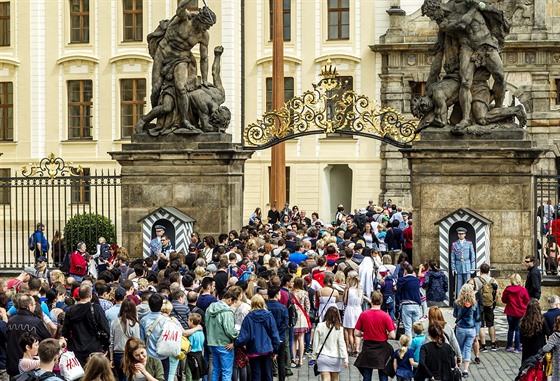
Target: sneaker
[(465, 374), (289, 373), (517, 351), (495, 347), (483, 348), (509, 349), (477, 360)]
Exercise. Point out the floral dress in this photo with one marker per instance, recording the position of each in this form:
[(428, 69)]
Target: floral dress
[(302, 324)]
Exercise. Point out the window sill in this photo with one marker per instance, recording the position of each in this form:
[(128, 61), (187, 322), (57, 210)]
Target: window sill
[(122, 140), (8, 142), (79, 141)]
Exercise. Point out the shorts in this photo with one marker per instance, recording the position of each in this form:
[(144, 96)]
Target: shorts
[(487, 317)]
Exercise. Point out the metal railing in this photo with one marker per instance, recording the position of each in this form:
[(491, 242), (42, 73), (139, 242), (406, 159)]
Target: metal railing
[(547, 208)]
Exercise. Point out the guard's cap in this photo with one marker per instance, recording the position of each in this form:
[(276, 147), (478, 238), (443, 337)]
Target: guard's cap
[(461, 230), (160, 227)]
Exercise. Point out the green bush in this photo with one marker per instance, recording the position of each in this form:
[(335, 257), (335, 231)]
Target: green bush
[(88, 228)]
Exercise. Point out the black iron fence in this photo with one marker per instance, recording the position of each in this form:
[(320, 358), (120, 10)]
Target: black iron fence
[(547, 221), (53, 192)]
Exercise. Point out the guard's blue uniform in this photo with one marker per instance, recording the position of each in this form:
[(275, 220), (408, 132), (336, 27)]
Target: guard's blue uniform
[(463, 261)]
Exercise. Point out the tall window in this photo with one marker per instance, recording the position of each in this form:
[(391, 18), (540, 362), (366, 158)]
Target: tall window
[(339, 19), (133, 94), (287, 182), (6, 111), (288, 91), (80, 104), (5, 23), (79, 21), (80, 188), (132, 20), (5, 186), (286, 17)]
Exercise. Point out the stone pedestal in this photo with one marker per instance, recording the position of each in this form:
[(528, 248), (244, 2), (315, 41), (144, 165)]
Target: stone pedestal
[(201, 175), (490, 175)]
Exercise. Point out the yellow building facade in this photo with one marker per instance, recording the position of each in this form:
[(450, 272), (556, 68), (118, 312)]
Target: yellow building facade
[(76, 74)]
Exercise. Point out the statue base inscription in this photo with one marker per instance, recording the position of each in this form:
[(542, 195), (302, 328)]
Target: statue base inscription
[(201, 175)]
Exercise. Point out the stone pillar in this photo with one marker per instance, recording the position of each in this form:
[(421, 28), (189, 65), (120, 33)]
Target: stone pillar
[(490, 175), (201, 175)]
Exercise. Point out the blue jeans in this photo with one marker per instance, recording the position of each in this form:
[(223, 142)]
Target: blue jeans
[(513, 331), (465, 339), (389, 305), (261, 367), (117, 361), (222, 363), (367, 373), (409, 314)]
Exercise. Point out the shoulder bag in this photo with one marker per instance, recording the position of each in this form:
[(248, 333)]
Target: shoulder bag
[(102, 336), (315, 367)]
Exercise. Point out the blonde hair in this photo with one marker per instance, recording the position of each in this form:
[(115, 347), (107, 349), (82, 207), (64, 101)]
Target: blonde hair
[(166, 307), (418, 327), (466, 295), (352, 279), (257, 303), (386, 259), (57, 276), (199, 273), (515, 279), (405, 343), (339, 277)]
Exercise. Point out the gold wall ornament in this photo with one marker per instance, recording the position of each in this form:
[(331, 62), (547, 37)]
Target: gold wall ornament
[(329, 109), (51, 167)]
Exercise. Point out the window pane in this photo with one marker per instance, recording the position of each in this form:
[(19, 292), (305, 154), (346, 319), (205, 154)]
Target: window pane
[(128, 5), (345, 32), (139, 5), (345, 16), (75, 7), (344, 4), (333, 4), (85, 7)]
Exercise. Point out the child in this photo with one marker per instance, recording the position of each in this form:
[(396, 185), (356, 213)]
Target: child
[(195, 360), (418, 341), (387, 287), (422, 270), (29, 343), (404, 360)]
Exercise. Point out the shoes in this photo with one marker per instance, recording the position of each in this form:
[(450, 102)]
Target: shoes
[(517, 351), (465, 374), (311, 362), (477, 360), (289, 373), (509, 349), (495, 347), (483, 349), (294, 364)]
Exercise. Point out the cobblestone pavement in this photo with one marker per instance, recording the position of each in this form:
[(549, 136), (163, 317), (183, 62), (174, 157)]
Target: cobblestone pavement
[(496, 365)]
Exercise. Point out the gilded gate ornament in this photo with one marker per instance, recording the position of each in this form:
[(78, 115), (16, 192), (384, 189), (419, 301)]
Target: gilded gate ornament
[(51, 167), (328, 109)]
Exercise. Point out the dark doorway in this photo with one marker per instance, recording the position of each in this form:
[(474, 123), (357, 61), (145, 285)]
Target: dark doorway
[(169, 230)]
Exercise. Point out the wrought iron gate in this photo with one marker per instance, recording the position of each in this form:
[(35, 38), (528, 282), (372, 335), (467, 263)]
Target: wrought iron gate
[(547, 207), (51, 192)]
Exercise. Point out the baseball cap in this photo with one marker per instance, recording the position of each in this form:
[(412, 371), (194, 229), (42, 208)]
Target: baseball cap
[(120, 293), (358, 246), (42, 259), (292, 266), (192, 245), (212, 268), (331, 263), (30, 270)]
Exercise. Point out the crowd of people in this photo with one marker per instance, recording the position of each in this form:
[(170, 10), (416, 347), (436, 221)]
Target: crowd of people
[(286, 291)]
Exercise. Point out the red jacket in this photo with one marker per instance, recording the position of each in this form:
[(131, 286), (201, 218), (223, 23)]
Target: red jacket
[(78, 264), (516, 299)]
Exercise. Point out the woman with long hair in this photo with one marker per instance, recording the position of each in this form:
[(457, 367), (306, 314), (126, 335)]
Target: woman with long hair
[(551, 255), (303, 324), (436, 357), (259, 335), (329, 349), (327, 296), (353, 298), (58, 250), (516, 298), (466, 313), (137, 365), (435, 316), (256, 214), (122, 329), (98, 368), (369, 236), (209, 244), (533, 329)]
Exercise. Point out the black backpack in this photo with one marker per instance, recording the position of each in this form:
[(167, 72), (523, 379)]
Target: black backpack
[(105, 252), (32, 243), (65, 267), (292, 311), (32, 376)]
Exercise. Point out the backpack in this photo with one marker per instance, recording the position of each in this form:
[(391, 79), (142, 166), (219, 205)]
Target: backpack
[(292, 311), (488, 292), (105, 251), (32, 376), (32, 243), (65, 267)]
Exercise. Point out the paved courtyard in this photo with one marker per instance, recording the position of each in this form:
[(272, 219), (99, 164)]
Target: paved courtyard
[(496, 366)]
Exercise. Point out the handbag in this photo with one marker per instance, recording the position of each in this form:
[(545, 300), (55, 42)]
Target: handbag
[(316, 367), (102, 336), (389, 368), (185, 347), (70, 368), (456, 374)]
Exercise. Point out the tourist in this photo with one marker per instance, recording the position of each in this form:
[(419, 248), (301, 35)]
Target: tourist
[(516, 298), (533, 282), (435, 316), (29, 344), (533, 329), (329, 349), (488, 291), (151, 328), (98, 368), (280, 314), (375, 327), (403, 360), (387, 286), (353, 298), (436, 285), (260, 337), (303, 325), (327, 296), (49, 354), (466, 313), (408, 298), (138, 365), (125, 326), (240, 310), (78, 262), (552, 312), (437, 358), (553, 345)]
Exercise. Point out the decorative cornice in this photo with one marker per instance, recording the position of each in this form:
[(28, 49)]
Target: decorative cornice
[(287, 58), (9, 61), (338, 56), (130, 56), (77, 57)]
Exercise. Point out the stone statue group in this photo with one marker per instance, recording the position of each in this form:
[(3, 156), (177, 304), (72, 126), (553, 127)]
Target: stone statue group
[(471, 36), (182, 102)]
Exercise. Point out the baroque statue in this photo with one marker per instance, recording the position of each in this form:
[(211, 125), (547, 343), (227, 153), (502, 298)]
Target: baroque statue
[(183, 102), (471, 36)]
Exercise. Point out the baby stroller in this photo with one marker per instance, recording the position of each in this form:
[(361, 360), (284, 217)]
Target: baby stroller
[(534, 368)]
